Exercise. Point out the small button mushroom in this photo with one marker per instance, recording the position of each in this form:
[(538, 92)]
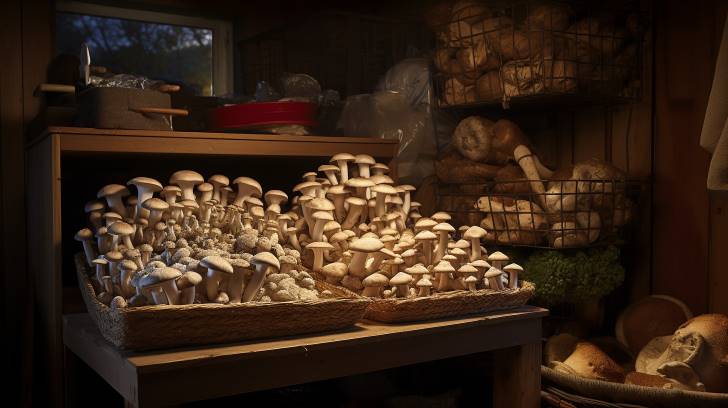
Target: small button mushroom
[(101, 271), (401, 281), (356, 209), (206, 191), (95, 210), (497, 259), (407, 200), (443, 230), (513, 270), (474, 234), (318, 249), (330, 171), (85, 237), (264, 263), (122, 232), (217, 269), (410, 257), (146, 253), (186, 284), (424, 287), (218, 182), (247, 187), (170, 194), (187, 180), (494, 278), (127, 268), (236, 283), (335, 272), (161, 283), (417, 271), (105, 298), (352, 283), (425, 224), (114, 194), (222, 298), (373, 285), (378, 258), (156, 208), (442, 271), (342, 160), (481, 265), (118, 302), (426, 238), (361, 248), (470, 282), (146, 187), (382, 191), (364, 162)]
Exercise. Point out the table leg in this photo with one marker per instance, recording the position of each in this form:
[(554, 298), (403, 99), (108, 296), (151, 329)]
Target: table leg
[(517, 376)]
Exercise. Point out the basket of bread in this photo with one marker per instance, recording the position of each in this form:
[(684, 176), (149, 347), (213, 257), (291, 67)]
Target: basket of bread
[(495, 52), (677, 360)]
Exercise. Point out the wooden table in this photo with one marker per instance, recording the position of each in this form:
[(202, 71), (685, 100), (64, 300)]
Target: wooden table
[(159, 377), (48, 156)]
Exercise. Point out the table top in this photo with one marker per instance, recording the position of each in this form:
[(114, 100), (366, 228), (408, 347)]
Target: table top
[(368, 346), (91, 140)]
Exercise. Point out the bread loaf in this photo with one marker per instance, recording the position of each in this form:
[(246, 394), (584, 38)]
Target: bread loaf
[(445, 61), (453, 168), (477, 58), (456, 93), (473, 137), (522, 78), (462, 28), (489, 86), (588, 361)]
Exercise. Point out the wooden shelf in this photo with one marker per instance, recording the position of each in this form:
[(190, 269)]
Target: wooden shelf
[(87, 140), (154, 378), (57, 145)]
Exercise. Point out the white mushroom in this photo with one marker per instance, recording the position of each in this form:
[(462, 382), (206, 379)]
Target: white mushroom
[(217, 269), (265, 263)]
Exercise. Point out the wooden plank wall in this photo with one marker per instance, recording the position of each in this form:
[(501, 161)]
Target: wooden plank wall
[(685, 52)]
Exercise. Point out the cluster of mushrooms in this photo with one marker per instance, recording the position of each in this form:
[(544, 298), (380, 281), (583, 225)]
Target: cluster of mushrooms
[(352, 226)]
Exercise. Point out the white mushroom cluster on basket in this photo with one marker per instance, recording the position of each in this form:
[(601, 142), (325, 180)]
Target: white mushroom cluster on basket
[(198, 242), (207, 242), (360, 231)]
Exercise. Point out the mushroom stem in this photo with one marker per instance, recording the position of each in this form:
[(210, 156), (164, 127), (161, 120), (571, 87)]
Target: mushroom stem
[(318, 259), (88, 250), (352, 217), (212, 283), (256, 281), (441, 246), (357, 266), (475, 253), (236, 284), (525, 160)]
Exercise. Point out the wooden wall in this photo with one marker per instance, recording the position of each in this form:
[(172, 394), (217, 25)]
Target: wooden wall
[(687, 263)]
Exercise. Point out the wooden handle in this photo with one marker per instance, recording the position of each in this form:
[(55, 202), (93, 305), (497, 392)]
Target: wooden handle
[(162, 111), (167, 88), (59, 88)]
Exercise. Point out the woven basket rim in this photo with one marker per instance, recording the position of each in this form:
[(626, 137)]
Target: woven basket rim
[(452, 294)]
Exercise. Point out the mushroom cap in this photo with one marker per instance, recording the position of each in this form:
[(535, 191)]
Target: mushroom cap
[(359, 182), (319, 245), (493, 273), (387, 238), (84, 235), (305, 184), (100, 261), (265, 258), (128, 264), (323, 215), (388, 254), (449, 257), (388, 231), (146, 182), (471, 279), (205, 187), (114, 256), (407, 187), (417, 269), (384, 189), (219, 179), (338, 189), (111, 190), (382, 179), (425, 223), (94, 205), (457, 252), (443, 226), (217, 263), (513, 267), (155, 204), (356, 201), (254, 201), (342, 157), (190, 204), (189, 278), (171, 189), (409, 252), (462, 244), (257, 211), (415, 205), (335, 269), (364, 159), (120, 228), (424, 282), (425, 235), (443, 267), (441, 216), (239, 263), (159, 275), (375, 279), (145, 248), (380, 166), (273, 194), (366, 245), (339, 236), (320, 204), (309, 174), (480, 263), (328, 167), (397, 260), (257, 191), (474, 232), (467, 268), (497, 256), (401, 278), (186, 176)]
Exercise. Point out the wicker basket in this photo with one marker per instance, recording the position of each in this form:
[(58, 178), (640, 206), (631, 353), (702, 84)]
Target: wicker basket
[(150, 327), (448, 304), (615, 393)]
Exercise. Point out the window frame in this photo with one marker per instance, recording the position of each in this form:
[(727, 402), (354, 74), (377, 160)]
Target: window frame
[(222, 31)]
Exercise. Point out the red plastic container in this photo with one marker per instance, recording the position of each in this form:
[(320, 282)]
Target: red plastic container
[(258, 115)]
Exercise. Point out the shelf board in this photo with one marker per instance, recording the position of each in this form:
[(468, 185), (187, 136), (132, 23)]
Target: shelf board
[(89, 140), (152, 377)]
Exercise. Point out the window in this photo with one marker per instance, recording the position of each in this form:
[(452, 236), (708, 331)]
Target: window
[(192, 51)]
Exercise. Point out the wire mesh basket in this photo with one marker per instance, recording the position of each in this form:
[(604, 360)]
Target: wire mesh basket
[(568, 214), (529, 50)]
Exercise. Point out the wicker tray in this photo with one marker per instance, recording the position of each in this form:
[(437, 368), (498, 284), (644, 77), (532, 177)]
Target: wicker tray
[(631, 394), (447, 304), (149, 327)]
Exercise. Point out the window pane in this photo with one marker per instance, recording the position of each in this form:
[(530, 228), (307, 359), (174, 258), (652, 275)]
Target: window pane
[(171, 53)]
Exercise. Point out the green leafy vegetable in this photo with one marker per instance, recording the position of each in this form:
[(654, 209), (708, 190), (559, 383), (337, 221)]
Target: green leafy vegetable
[(576, 278)]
